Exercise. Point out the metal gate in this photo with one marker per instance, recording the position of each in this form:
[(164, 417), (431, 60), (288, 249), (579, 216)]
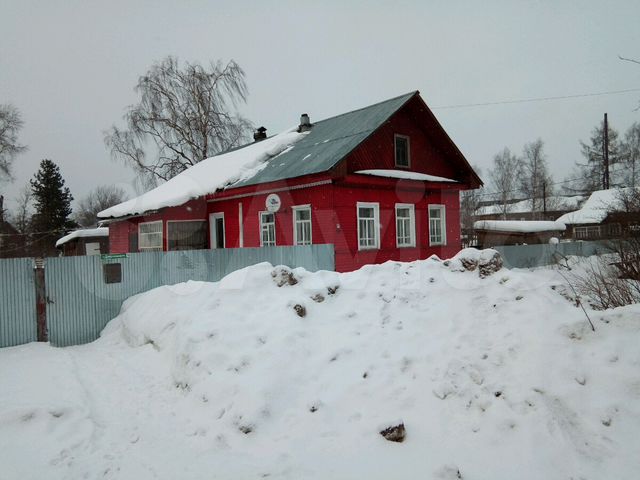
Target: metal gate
[(17, 302)]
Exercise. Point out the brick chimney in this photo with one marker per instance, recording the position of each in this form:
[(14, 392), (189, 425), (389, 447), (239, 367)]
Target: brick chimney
[(305, 123), (260, 134)]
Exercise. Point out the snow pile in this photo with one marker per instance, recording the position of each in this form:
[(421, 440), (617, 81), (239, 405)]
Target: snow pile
[(519, 226), (208, 176), (84, 233), (279, 373), (596, 208), (401, 174)]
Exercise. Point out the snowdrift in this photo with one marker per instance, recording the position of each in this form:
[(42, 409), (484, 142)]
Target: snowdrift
[(279, 373)]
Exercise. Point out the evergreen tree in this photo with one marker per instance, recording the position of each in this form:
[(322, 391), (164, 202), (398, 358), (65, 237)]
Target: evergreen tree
[(52, 201), (592, 173)]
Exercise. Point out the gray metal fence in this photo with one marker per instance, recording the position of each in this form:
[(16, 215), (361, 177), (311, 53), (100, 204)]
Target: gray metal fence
[(527, 256), (17, 302), (80, 302)]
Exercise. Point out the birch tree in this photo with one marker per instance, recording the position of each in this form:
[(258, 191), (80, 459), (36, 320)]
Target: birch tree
[(504, 179), (184, 115)]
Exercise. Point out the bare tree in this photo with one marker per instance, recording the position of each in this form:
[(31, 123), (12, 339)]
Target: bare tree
[(21, 217), (504, 178), (10, 125), (187, 115), (99, 199), (535, 181), (630, 148), (469, 205)]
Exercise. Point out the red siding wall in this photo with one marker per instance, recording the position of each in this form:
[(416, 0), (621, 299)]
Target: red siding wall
[(334, 221), (119, 231), (379, 150), (348, 257), (322, 218)]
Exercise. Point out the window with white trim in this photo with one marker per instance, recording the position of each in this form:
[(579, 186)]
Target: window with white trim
[(186, 235), (405, 225), (150, 236), (267, 229), (302, 225), (437, 225), (402, 150), (368, 226)]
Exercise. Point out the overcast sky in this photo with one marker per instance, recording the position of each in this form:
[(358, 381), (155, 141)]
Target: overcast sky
[(70, 68)]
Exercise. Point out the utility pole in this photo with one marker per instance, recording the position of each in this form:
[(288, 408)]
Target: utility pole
[(605, 153)]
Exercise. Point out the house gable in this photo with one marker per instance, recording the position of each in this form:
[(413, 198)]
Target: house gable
[(431, 151)]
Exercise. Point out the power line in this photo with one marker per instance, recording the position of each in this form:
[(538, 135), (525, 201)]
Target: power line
[(567, 180), (536, 99)]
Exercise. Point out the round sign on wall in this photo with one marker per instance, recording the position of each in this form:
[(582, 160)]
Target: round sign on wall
[(273, 202)]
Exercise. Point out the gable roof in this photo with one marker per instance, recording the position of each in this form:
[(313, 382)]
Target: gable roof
[(328, 142), (596, 208), (283, 156)]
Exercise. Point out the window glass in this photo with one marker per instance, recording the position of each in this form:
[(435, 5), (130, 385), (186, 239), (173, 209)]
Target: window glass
[(302, 226), (267, 229), (405, 226), (150, 236), (368, 222), (189, 235), (437, 232), (402, 151)]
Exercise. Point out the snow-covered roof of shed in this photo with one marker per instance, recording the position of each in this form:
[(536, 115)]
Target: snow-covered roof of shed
[(404, 175), (595, 209), (519, 226), (84, 233), (554, 203)]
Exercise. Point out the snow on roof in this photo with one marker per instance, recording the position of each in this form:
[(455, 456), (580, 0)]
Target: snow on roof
[(519, 226), (554, 203), (404, 175), (208, 176), (595, 209), (86, 232)]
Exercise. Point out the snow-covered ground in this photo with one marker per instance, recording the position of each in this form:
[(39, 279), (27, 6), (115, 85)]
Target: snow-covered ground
[(494, 378)]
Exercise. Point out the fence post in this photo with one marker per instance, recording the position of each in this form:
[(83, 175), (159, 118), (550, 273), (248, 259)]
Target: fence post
[(41, 301)]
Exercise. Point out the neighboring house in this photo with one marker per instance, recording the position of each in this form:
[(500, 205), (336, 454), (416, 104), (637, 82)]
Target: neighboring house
[(379, 183), (88, 241), (522, 209), (516, 232), (602, 216)]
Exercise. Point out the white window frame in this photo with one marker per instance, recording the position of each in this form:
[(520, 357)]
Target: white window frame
[(294, 210), (261, 224), (412, 225), (159, 248), (376, 224), (443, 223), (395, 151)]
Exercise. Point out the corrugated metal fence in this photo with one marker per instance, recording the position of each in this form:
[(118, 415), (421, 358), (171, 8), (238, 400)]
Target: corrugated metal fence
[(80, 302), (527, 256), (17, 302)]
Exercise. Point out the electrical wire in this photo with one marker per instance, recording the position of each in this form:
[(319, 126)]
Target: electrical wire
[(536, 99)]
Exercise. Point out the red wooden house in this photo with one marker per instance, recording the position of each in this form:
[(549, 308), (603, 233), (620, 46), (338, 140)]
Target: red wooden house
[(380, 183)]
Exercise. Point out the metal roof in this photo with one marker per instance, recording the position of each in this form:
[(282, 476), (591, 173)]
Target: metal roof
[(328, 142)]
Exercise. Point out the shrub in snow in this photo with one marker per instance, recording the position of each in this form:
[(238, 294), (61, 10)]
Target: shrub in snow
[(395, 433)]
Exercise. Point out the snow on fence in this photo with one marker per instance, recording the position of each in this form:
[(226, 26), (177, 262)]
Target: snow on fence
[(81, 294)]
